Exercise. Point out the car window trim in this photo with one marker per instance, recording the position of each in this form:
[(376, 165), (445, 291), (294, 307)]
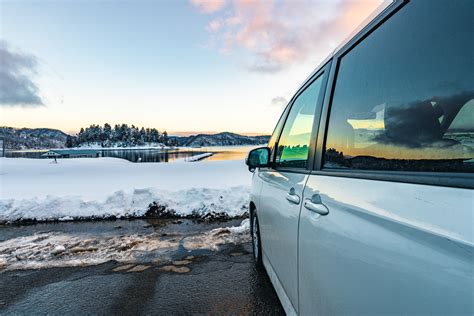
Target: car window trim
[(447, 179), (278, 130)]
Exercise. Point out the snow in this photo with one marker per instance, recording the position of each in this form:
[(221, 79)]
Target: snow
[(198, 157), (243, 228), (194, 158), (62, 249), (112, 187), (57, 249), (98, 146), (214, 238)]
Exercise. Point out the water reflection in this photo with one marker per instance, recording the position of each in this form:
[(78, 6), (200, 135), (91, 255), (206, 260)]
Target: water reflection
[(156, 155), (229, 152)]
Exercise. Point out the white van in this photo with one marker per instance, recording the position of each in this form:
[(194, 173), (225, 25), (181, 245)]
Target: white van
[(363, 201)]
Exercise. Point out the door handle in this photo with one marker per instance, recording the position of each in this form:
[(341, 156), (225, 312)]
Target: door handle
[(316, 205), (292, 197)]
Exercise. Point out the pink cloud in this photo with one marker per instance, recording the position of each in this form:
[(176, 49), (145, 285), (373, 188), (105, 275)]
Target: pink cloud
[(273, 35), (208, 6), (214, 25)]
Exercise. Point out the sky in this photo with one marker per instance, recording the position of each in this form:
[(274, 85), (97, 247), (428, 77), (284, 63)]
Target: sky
[(183, 66)]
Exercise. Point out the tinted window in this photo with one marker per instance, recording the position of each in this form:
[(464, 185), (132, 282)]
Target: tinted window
[(293, 146), (404, 96), (273, 139)]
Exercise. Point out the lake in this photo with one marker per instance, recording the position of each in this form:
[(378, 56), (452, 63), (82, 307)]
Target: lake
[(154, 155)]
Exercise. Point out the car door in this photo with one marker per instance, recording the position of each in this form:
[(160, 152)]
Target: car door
[(387, 222), (281, 193)]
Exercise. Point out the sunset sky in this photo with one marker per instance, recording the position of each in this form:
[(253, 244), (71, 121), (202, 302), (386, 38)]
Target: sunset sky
[(200, 66)]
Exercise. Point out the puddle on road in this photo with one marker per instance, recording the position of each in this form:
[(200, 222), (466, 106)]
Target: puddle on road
[(126, 241)]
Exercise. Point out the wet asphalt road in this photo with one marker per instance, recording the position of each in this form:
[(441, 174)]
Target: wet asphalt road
[(211, 282)]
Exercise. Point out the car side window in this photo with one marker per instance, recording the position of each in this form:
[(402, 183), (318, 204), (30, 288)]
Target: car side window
[(404, 96), (276, 133), (293, 145)]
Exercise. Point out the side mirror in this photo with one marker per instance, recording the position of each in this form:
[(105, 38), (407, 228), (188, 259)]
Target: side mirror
[(258, 157)]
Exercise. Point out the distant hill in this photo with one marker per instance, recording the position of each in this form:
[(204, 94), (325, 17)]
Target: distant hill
[(45, 138), (221, 139), (33, 138)]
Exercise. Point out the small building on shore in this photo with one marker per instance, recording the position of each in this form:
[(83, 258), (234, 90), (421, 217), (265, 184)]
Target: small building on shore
[(71, 153)]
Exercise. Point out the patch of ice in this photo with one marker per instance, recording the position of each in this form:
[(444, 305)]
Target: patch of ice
[(56, 249), (61, 250)]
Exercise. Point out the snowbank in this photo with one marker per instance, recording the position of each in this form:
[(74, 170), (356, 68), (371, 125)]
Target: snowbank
[(36, 189)]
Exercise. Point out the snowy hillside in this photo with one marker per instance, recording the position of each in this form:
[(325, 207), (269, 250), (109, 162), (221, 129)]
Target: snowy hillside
[(36, 189), (223, 139), (33, 138)]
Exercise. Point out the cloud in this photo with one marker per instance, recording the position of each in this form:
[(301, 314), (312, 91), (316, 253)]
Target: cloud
[(279, 102), (403, 126), (214, 25), (273, 35), (208, 6), (16, 86)]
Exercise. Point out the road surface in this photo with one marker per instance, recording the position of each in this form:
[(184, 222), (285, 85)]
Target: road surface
[(222, 281)]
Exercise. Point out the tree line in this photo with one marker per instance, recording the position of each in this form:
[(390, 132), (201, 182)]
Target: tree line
[(120, 135)]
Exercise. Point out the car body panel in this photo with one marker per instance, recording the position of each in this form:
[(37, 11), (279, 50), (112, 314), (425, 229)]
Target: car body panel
[(256, 188), (284, 300), (386, 247), (278, 222)]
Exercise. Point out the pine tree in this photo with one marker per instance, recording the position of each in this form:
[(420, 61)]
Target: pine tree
[(121, 135), (106, 131), (69, 141), (142, 136), (165, 138)]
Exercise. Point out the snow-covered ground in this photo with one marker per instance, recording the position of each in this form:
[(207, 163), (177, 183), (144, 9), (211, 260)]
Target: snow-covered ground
[(112, 187)]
